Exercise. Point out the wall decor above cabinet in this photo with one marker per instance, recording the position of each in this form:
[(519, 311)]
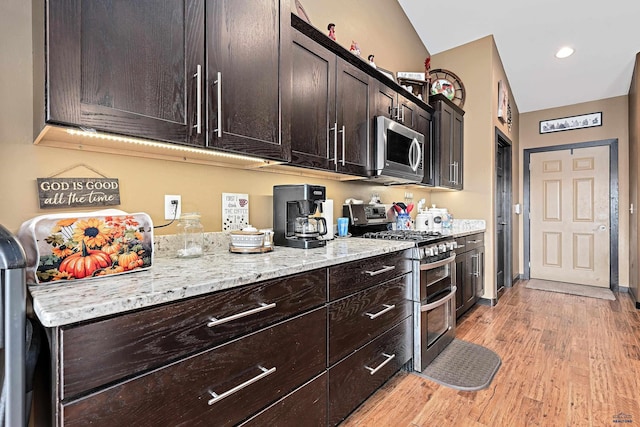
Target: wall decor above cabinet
[(204, 74)]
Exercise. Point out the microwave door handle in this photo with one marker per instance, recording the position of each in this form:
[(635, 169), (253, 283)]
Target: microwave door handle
[(414, 154)]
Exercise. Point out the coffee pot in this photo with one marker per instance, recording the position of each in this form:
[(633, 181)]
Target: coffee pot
[(295, 220), (310, 227)]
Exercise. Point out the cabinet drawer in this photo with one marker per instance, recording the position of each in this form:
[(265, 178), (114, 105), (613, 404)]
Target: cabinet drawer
[(470, 242), (355, 320), (101, 352), (351, 381), (348, 278), (306, 406), (261, 368)]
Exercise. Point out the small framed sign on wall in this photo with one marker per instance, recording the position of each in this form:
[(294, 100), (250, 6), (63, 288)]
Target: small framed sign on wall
[(571, 123)]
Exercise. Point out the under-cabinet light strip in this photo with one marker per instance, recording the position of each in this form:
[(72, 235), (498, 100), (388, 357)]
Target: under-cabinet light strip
[(165, 146)]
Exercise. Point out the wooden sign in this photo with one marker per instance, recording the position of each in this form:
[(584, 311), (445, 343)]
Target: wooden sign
[(76, 192)]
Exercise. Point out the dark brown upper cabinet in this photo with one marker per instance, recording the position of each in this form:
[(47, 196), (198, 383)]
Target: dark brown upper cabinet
[(331, 110), (448, 136), (248, 76), (150, 69)]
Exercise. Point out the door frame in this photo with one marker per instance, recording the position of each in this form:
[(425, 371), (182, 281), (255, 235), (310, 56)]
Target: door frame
[(502, 140), (613, 203)]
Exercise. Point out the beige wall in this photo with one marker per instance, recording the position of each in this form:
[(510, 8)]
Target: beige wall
[(144, 182), (479, 67), (615, 125), (379, 26)]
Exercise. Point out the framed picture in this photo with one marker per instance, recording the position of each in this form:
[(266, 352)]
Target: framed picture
[(387, 73), (503, 101), (571, 123)]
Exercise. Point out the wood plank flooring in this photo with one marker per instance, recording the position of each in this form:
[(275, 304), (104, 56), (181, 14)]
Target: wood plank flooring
[(566, 361)]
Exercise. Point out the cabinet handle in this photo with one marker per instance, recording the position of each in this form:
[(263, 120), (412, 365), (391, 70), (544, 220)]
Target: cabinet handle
[(344, 142), (455, 173), (451, 173), (387, 307), (219, 397), (389, 358), (474, 241), (263, 307), (218, 83), (384, 269), (334, 129), (476, 269), (198, 77), (460, 246)]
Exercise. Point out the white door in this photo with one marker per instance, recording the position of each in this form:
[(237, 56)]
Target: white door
[(570, 216)]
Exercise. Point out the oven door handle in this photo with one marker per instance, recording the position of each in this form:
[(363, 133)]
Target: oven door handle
[(432, 265), (438, 303)]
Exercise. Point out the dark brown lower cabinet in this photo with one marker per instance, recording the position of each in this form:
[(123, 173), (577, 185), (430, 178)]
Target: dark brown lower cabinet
[(221, 387), (306, 406), (302, 350), (353, 379)]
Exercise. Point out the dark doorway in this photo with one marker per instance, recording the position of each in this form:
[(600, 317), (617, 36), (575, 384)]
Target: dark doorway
[(503, 254)]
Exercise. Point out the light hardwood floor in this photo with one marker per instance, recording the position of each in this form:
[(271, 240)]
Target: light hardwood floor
[(566, 361)]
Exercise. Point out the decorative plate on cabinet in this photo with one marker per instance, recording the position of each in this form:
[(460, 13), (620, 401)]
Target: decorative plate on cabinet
[(448, 84)]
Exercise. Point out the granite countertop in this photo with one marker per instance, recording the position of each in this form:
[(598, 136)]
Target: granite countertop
[(172, 279)]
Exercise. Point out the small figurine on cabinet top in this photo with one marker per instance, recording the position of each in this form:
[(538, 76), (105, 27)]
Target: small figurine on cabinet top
[(355, 49), (332, 31), (427, 69), (370, 58)]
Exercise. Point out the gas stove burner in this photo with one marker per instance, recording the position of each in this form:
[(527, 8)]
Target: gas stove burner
[(403, 235)]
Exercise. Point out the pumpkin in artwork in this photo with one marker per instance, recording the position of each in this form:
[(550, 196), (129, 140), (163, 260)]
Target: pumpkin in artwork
[(128, 260), (84, 263)]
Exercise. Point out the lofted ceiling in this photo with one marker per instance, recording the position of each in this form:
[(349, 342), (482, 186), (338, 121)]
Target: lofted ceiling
[(605, 36)]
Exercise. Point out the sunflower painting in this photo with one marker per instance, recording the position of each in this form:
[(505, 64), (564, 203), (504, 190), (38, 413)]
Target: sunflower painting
[(86, 247)]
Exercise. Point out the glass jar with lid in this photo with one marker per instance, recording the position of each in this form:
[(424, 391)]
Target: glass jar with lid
[(190, 236)]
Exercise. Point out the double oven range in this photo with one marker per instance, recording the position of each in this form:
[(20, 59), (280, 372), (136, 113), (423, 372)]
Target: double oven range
[(433, 288)]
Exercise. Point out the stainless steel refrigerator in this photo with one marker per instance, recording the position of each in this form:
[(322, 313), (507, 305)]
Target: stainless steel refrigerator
[(13, 334)]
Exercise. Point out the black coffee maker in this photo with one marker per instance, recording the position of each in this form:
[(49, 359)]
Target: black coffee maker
[(293, 221)]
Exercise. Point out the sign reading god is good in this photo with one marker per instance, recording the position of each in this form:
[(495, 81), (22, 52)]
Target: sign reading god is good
[(76, 192)]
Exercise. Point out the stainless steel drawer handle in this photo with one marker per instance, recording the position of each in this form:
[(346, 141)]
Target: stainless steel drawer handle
[(219, 397), (263, 306), (218, 83), (384, 269), (389, 358), (474, 241), (198, 77), (387, 307)]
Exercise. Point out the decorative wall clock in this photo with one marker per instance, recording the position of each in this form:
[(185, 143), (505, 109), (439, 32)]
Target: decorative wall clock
[(448, 84)]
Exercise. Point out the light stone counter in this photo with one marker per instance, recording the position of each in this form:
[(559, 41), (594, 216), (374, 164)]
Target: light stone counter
[(171, 279)]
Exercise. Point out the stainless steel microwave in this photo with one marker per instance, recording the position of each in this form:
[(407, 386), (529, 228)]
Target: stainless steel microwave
[(398, 157)]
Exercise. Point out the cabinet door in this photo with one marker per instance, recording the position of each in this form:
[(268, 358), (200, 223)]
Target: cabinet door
[(457, 145), (469, 282), (479, 273), (313, 104), (460, 273), (353, 106), (444, 138), (423, 125), (126, 67), (408, 112), (384, 101), (246, 73)]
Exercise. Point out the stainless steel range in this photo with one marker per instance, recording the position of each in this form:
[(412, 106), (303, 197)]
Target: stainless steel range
[(434, 290)]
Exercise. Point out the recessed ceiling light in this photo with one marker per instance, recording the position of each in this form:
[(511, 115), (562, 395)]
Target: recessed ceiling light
[(564, 52)]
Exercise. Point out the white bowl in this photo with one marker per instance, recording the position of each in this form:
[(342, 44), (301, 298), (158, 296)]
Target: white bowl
[(247, 239)]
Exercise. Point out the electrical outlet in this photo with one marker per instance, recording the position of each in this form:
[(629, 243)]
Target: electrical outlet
[(172, 207)]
